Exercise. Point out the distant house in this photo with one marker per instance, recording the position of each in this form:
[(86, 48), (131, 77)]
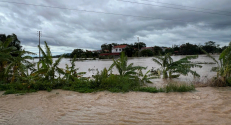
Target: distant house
[(118, 49), (163, 48)]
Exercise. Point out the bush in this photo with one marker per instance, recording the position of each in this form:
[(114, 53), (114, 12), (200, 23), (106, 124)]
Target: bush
[(147, 89), (179, 87)]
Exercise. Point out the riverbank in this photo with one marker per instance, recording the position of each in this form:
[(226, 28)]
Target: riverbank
[(206, 105)]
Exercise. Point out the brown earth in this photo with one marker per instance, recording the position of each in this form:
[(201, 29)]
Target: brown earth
[(204, 106)]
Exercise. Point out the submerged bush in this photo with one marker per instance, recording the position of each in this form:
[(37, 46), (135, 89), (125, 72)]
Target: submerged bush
[(179, 87)]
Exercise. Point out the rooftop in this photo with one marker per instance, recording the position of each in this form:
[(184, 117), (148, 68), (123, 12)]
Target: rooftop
[(120, 46)]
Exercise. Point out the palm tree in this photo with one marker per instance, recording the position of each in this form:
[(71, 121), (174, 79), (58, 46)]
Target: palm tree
[(173, 69), (123, 68)]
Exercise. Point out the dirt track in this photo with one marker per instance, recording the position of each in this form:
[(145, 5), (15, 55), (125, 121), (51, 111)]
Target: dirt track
[(205, 106)]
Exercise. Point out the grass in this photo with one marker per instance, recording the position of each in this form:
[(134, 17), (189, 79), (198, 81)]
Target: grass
[(179, 87), (120, 84)]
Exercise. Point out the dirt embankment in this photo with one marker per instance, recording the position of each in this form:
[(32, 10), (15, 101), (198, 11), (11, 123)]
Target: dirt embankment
[(205, 106)]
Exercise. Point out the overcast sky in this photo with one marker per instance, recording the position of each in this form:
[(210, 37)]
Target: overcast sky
[(156, 22)]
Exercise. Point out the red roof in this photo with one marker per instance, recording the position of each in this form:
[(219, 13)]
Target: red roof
[(120, 46)]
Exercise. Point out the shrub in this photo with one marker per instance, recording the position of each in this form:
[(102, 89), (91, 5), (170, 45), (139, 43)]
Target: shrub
[(179, 87)]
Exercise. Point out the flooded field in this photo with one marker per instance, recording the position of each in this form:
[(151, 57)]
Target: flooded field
[(207, 105), (204, 106), (95, 65)]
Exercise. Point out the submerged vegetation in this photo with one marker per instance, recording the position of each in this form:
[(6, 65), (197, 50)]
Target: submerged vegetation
[(171, 69), (223, 68), (19, 75)]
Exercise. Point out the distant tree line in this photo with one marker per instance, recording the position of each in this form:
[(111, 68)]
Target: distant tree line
[(138, 49), (80, 53)]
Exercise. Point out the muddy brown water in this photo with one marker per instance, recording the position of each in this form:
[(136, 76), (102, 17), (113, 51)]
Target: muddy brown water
[(207, 105), (204, 106)]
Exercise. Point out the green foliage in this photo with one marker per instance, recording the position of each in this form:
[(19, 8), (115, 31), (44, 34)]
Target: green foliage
[(139, 45), (210, 47), (157, 50), (145, 78), (176, 87), (46, 67), (148, 89), (189, 49), (77, 52), (123, 68), (223, 68), (146, 52), (172, 69)]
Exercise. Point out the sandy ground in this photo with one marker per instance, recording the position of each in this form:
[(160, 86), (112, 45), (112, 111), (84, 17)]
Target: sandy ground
[(205, 106)]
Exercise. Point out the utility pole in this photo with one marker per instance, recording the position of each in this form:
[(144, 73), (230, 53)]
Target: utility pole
[(138, 46), (39, 34)]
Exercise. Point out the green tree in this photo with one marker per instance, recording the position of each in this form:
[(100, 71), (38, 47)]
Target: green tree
[(140, 44), (146, 52), (210, 47), (169, 50), (77, 52), (129, 50), (157, 50), (189, 49)]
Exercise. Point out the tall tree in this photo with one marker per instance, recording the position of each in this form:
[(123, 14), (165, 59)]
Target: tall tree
[(189, 49), (140, 44), (157, 50), (77, 52), (14, 42), (210, 47)]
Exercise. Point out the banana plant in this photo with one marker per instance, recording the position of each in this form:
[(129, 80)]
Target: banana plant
[(47, 68), (5, 56), (145, 78), (71, 72), (19, 64), (123, 68), (173, 69), (223, 68)]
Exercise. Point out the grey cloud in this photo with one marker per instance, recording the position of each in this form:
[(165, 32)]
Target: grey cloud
[(76, 29)]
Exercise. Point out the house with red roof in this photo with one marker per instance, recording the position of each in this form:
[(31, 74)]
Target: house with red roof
[(118, 49)]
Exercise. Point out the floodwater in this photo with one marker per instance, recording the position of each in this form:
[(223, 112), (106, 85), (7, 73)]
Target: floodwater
[(206, 105), (211, 106), (99, 65)]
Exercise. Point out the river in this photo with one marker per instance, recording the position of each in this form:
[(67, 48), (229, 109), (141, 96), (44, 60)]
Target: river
[(210, 106), (206, 105)]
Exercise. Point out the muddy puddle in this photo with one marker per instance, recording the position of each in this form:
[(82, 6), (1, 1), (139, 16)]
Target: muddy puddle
[(204, 106)]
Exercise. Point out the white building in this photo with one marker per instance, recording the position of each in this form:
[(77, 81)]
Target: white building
[(118, 49)]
